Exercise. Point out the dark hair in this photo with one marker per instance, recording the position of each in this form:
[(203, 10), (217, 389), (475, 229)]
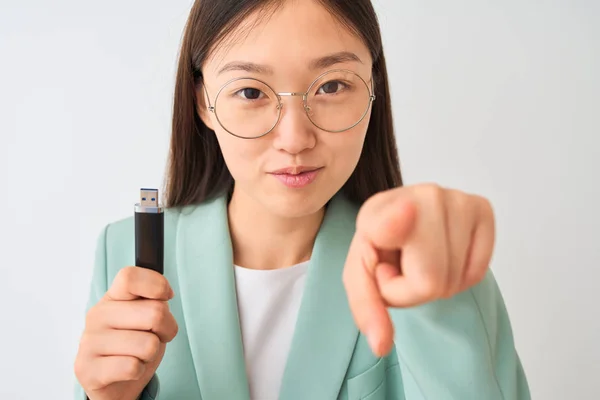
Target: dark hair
[(196, 168)]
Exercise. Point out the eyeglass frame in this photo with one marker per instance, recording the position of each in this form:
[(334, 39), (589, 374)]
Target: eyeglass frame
[(304, 95)]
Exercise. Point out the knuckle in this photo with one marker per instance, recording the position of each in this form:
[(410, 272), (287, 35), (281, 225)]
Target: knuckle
[(131, 368), (172, 332), (158, 312), (101, 379), (80, 369), (157, 288), (94, 315), (428, 288), (175, 330), (85, 342), (434, 193), (90, 317), (123, 279), (485, 203), (476, 274), (88, 375), (127, 275), (484, 207), (150, 347), (163, 287), (346, 278), (448, 293), (461, 201)]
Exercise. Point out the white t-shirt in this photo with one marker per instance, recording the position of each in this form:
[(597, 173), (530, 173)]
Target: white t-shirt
[(268, 303)]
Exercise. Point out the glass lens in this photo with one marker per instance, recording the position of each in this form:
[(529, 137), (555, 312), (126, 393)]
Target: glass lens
[(338, 101), (247, 108)]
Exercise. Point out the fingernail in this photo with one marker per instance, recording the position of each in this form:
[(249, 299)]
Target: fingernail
[(373, 339)]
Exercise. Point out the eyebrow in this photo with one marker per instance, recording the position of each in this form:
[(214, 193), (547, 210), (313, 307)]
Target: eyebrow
[(319, 63), (332, 59)]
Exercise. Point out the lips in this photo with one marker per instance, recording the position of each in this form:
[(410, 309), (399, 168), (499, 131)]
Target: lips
[(294, 170), (296, 177)]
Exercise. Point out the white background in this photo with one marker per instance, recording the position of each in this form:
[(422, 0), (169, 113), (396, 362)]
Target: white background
[(497, 98)]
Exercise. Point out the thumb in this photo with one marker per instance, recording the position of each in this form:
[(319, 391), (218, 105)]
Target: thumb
[(387, 221)]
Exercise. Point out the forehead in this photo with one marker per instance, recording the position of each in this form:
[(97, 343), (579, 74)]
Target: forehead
[(287, 40)]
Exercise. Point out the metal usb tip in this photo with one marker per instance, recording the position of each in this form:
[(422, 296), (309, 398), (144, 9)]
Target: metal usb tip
[(149, 197), (148, 202)]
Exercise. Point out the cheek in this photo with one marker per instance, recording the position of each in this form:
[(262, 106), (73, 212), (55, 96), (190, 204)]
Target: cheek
[(241, 156), (348, 148)]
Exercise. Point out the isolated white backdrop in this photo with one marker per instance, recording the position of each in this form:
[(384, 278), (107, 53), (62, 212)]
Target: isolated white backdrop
[(498, 98)]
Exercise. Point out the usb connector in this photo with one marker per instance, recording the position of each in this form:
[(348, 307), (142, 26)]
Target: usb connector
[(149, 197)]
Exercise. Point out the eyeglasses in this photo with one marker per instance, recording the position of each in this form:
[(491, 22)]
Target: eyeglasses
[(335, 101)]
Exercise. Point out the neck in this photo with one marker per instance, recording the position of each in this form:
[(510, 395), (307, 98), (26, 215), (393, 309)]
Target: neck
[(263, 240)]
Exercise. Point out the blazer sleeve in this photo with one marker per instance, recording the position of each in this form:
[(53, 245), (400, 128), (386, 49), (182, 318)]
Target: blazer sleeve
[(99, 286), (460, 348)]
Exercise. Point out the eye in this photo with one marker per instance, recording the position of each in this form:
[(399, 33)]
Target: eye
[(249, 93), (331, 87)]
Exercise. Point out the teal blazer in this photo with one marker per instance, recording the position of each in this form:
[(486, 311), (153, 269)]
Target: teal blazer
[(460, 348)]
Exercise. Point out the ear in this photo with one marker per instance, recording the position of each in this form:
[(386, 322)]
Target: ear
[(202, 106)]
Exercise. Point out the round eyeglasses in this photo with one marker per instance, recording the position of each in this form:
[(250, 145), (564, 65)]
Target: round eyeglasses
[(249, 108)]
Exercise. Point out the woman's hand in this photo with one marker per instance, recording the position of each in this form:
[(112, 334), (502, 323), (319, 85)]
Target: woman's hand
[(125, 336), (414, 245)]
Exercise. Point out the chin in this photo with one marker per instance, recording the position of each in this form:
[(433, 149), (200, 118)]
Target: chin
[(286, 202), (302, 202), (295, 205)]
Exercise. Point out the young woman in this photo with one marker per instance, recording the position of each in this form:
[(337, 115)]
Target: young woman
[(297, 265)]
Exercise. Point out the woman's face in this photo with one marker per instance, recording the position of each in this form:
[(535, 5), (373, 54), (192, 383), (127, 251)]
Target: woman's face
[(288, 51)]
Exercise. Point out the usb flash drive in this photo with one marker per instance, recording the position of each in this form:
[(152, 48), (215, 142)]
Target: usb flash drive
[(149, 231)]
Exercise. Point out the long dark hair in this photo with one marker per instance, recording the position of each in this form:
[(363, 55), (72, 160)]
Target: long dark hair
[(196, 169)]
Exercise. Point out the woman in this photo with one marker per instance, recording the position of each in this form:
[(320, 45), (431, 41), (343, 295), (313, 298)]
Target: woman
[(297, 266)]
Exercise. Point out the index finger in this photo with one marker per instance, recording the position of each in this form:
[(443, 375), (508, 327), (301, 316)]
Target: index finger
[(367, 307), (136, 282)]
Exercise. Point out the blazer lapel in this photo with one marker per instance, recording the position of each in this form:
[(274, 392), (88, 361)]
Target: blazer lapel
[(325, 333), (208, 296)]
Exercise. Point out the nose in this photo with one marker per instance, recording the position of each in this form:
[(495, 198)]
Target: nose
[(294, 133)]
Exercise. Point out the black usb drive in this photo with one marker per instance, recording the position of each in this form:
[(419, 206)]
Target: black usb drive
[(149, 231)]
